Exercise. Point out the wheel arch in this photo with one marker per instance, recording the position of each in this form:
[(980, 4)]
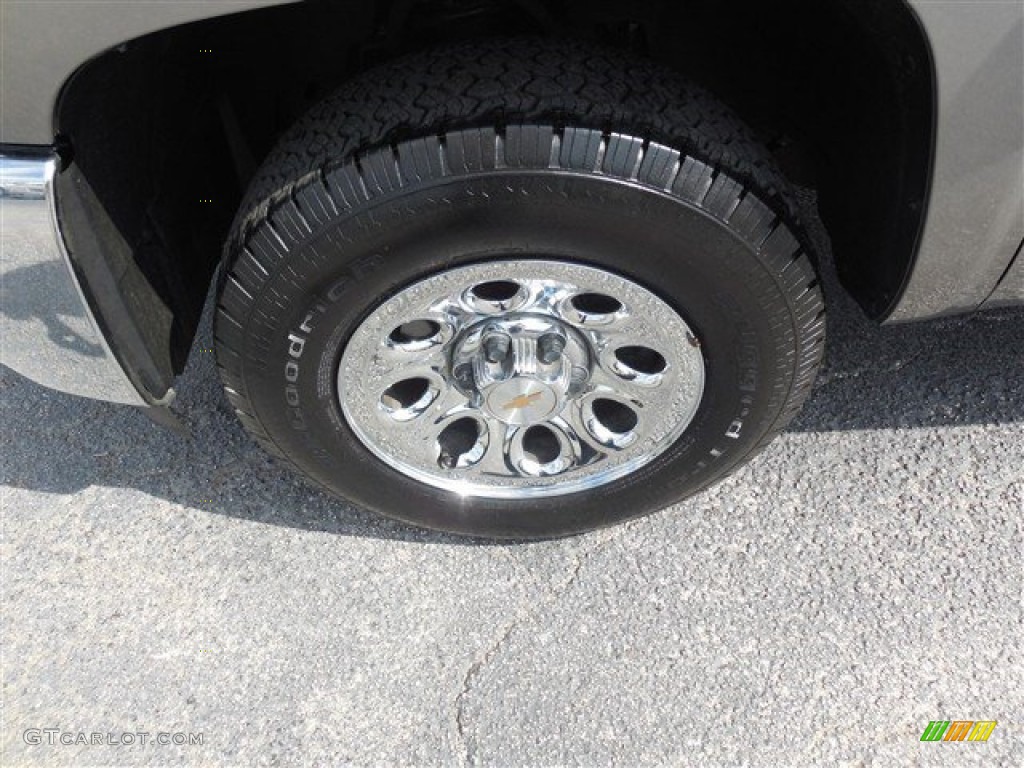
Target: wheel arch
[(162, 133)]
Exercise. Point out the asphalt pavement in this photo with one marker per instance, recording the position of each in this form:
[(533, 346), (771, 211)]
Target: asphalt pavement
[(862, 577)]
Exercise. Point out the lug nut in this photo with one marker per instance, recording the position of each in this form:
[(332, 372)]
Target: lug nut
[(549, 347), (496, 347)]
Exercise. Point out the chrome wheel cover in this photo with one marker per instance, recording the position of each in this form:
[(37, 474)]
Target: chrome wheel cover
[(520, 379)]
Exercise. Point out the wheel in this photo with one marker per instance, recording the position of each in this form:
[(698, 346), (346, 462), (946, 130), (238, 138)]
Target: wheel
[(517, 290)]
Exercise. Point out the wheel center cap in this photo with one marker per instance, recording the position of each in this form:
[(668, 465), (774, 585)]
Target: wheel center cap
[(521, 401), (520, 368)]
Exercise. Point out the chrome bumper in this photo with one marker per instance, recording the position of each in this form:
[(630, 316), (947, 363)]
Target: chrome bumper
[(47, 330)]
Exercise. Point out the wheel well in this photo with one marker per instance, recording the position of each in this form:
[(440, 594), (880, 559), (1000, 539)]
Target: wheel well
[(162, 133)]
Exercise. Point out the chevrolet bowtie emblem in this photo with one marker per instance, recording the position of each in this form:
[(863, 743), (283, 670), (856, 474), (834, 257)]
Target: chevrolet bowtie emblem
[(521, 401)]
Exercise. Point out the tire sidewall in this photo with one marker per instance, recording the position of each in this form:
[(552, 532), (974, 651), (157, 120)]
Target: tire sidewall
[(304, 316)]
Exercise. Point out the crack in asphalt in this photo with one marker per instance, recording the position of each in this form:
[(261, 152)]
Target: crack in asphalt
[(472, 671), (527, 612)]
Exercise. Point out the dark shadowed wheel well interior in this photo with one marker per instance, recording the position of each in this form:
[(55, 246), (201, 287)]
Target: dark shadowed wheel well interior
[(162, 134)]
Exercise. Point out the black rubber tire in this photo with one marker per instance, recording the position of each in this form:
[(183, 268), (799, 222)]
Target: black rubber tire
[(525, 148)]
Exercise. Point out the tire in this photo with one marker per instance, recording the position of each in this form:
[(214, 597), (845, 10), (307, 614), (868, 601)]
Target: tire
[(520, 164)]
